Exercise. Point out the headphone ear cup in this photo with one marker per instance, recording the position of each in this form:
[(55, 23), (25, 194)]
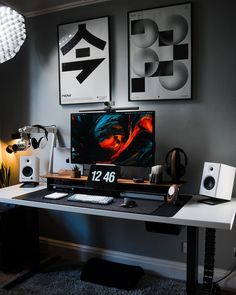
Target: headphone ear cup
[(42, 142), (34, 143)]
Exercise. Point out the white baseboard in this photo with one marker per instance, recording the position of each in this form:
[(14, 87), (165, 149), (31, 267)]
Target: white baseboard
[(161, 267)]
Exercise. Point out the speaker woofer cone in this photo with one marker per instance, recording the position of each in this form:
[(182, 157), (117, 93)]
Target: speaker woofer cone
[(209, 183), (27, 171)]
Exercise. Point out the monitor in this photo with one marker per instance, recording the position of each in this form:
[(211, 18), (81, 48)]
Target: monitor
[(120, 138)]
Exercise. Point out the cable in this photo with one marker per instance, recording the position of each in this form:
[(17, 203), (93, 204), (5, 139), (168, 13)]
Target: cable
[(228, 274), (210, 287)]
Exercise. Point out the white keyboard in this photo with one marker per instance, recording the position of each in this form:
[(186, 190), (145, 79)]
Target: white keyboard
[(95, 199)]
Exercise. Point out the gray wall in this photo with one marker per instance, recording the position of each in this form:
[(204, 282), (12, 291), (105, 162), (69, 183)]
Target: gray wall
[(203, 126)]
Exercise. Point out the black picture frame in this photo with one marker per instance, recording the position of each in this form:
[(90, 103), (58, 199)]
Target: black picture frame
[(160, 53), (84, 61)]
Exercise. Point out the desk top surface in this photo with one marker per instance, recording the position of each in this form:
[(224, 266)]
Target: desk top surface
[(193, 213)]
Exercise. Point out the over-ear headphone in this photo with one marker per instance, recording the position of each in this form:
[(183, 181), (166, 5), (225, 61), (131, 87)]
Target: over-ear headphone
[(174, 167), (42, 140)]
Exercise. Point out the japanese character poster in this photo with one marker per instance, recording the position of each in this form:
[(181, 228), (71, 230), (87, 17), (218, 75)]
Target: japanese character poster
[(84, 65), (160, 53)]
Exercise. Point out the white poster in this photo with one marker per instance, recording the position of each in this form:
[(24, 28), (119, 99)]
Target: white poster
[(160, 53), (84, 66)]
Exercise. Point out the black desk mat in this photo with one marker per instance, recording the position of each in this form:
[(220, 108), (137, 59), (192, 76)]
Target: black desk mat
[(142, 206), (168, 210)]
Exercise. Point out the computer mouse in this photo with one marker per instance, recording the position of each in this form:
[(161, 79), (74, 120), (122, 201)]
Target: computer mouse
[(128, 203)]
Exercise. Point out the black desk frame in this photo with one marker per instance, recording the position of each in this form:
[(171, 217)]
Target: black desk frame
[(193, 215)]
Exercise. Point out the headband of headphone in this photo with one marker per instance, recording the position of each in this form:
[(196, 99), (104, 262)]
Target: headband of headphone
[(43, 128)]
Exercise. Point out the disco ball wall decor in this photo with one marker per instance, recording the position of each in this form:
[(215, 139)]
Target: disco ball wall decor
[(12, 32)]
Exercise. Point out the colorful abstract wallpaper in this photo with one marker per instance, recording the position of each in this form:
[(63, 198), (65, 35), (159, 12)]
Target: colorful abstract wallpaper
[(120, 138)]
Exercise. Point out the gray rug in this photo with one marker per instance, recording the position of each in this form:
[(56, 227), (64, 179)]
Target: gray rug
[(64, 279)]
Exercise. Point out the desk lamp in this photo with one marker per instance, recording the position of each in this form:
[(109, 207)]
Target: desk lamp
[(12, 32)]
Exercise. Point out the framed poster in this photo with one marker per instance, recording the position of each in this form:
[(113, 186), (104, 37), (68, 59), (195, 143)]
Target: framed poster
[(84, 61), (160, 53)]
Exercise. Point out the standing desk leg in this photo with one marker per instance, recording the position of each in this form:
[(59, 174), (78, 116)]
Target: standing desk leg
[(192, 260)]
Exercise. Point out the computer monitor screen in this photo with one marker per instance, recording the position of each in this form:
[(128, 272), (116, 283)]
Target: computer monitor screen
[(121, 138)]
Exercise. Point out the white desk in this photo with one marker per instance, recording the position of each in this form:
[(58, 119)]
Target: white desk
[(194, 215)]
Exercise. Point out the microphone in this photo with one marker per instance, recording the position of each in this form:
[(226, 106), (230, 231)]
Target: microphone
[(22, 145)]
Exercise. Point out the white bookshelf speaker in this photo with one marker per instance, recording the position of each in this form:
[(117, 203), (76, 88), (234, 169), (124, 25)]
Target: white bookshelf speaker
[(29, 169), (217, 181)]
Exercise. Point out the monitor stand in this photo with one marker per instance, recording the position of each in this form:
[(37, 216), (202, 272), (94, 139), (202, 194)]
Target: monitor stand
[(212, 201)]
